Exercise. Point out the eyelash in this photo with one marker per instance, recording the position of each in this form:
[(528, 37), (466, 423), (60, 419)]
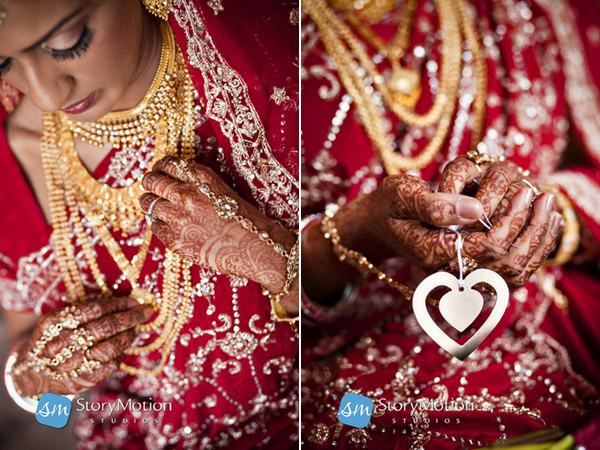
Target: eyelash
[(4, 67), (76, 51)]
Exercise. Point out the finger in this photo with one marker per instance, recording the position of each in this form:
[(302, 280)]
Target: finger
[(112, 348), (457, 174), (413, 199), (89, 380), (80, 314), (493, 187), (529, 240), (113, 324), (163, 209), (169, 165), (494, 244), (163, 232), (428, 248), (502, 207), (556, 225), (169, 188)]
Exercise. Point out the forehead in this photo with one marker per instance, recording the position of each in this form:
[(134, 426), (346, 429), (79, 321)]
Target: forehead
[(26, 21)]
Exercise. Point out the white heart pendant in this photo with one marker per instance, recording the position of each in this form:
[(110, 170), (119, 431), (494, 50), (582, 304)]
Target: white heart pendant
[(460, 308)]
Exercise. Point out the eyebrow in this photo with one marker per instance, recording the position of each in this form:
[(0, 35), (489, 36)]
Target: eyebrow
[(53, 30)]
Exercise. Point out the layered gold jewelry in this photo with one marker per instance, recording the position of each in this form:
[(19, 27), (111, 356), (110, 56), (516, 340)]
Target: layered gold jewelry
[(371, 11), (227, 208), (403, 82), (75, 196), (349, 54)]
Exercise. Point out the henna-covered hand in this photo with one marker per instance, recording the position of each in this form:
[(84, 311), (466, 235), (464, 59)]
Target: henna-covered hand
[(404, 217), (188, 224), (525, 229), (111, 323)]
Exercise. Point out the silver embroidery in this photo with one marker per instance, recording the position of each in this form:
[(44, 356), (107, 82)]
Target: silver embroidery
[(228, 102)]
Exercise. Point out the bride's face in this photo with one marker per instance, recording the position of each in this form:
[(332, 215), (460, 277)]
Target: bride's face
[(79, 56)]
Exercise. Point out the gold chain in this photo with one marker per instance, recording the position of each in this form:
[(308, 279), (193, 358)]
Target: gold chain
[(371, 11), (75, 196), (349, 53)]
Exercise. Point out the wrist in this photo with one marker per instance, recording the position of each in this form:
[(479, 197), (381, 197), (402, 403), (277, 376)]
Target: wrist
[(28, 403), (273, 275), (283, 290), (360, 224)]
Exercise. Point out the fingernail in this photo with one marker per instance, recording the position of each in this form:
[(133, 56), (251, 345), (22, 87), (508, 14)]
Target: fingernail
[(555, 224), (132, 302), (147, 312), (550, 203), (527, 196), (468, 208)]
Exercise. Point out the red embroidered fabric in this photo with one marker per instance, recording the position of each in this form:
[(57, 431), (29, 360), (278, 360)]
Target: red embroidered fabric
[(539, 367), (231, 379)]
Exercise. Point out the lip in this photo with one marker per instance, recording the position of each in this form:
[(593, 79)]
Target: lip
[(81, 106)]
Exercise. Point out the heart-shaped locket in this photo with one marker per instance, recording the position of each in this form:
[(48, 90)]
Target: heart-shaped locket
[(460, 308)]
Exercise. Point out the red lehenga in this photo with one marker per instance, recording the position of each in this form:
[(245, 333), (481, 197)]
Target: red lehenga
[(540, 366), (232, 375)]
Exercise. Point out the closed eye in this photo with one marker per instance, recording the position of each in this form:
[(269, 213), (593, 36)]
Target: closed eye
[(4, 66), (77, 50)]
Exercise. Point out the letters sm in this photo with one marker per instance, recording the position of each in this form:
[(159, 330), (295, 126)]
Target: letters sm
[(355, 410)]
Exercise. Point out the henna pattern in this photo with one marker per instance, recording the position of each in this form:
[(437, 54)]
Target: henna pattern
[(457, 174), (104, 318), (548, 243), (191, 228)]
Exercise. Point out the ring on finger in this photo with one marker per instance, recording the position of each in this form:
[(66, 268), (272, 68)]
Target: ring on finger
[(182, 167), (536, 191), (469, 264), (150, 217)]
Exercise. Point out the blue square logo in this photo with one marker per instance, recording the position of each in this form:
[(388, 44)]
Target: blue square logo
[(53, 410), (355, 410)]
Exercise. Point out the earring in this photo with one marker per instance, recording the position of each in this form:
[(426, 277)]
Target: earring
[(159, 8)]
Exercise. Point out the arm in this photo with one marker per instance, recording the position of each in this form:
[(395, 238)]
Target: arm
[(217, 229)]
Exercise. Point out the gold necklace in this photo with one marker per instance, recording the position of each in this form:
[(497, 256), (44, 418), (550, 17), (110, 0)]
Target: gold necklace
[(124, 128), (371, 11), (349, 53), (404, 83), (76, 196), (131, 128)]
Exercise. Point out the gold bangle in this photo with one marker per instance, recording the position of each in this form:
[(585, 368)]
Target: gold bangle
[(357, 259), (291, 271), (29, 404), (569, 241)]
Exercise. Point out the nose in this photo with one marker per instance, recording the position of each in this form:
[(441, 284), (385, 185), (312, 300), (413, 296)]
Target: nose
[(48, 89)]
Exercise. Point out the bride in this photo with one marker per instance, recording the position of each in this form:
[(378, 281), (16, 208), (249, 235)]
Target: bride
[(148, 246)]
